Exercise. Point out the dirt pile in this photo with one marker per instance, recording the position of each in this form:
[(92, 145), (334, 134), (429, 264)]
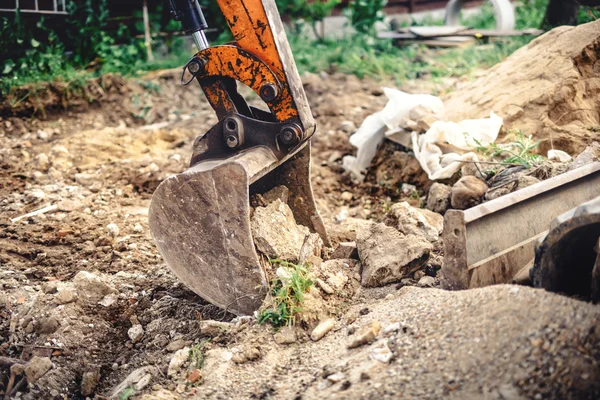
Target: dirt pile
[(549, 89)]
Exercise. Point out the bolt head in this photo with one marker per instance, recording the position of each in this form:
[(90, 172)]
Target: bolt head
[(268, 92), (231, 141)]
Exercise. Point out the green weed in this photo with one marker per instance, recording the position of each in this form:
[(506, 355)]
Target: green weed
[(287, 295), (197, 355), (519, 152), (127, 393)]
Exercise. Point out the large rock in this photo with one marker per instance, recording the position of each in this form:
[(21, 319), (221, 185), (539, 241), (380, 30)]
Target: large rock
[(37, 367), (275, 231), (346, 230), (438, 198), (388, 255), (413, 221), (467, 192), (548, 89)]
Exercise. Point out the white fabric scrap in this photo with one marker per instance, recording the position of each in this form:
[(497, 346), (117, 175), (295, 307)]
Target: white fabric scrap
[(462, 137), (374, 128)]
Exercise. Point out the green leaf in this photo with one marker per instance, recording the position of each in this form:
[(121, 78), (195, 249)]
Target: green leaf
[(34, 43), (8, 66)]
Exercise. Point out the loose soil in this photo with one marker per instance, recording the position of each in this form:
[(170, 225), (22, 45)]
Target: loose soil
[(100, 164)]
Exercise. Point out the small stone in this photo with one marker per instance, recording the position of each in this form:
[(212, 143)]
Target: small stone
[(418, 275), (286, 335), (84, 179), (324, 286), (467, 192), (41, 162), (426, 281), (43, 135), (179, 358), (65, 296), (346, 196), (50, 287), (113, 230), (394, 327), (212, 328), (525, 180), (411, 221), (177, 344), (345, 250), (89, 381), (108, 300), (136, 333), (194, 376), (322, 329), (69, 205), (588, 156), (143, 382), (335, 378), (347, 127), (438, 199), (365, 335), (92, 287), (35, 195), (47, 325), (382, 354), (137, 228), (278, 192), (37, 367)]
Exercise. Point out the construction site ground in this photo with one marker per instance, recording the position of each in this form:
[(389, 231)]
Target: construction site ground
[(100, 163)]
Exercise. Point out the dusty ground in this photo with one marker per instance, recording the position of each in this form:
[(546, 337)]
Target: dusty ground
[(100, 167)]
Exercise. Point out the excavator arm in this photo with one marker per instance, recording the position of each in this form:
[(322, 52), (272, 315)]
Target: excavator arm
[(200, 219)]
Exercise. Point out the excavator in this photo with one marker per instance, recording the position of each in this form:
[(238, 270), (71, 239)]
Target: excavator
[(200, 218)]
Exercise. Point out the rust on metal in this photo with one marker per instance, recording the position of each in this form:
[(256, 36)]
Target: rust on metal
[(490, 243)]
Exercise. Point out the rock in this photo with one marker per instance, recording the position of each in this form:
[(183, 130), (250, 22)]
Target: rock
[(108, 300), (34, 196), (438, 199), (85, 179), (47, 325), (195, 376), (161, 394), (587, 156), (248, 354), (136, 376), (89, 381), (553, 98), (112, 230), (92, 287), (65, 296), (347, 229), (345, 250), (137, 228), (143, 383), (212, 328), (347, 127), (418, 275), (382, 354), (324, 286), (179, 358), (335, 378), (322, 329), (426, 281), (312, 247), (278, 192), (365, 335), (136, 333), (388, 256), (41, 162), (36, 368), (346, 196), (177, 344), (286, 335), (467, 192), (50, 287), (523, 277), (411, 221), (275, 231), (471, 169), (525, 180), (69, 205)]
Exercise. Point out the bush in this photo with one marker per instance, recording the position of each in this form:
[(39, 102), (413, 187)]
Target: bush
[(363, 14)]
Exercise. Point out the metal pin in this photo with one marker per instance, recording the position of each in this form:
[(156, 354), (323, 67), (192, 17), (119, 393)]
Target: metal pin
[(200, 40)]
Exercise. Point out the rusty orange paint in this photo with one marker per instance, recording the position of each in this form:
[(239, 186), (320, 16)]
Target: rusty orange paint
[(233, 62)]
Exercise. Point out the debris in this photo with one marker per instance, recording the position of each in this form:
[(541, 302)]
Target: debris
[(37, 367), (345, 250), (278, 192), (382, 354), (213, 328), (467, 192), (65, 296), (195, 376), (426, 281), (92, 287), (47, 325), (365, 335), (179, 358), (89, 381), (275, 231), (108, 300), (324, 286), (438, 198), (137, 228), (464, 136), (136, 376), (587, 156), (113, 230), (43, 210), (41, 162), (385, 122), (388, 256), (411, 221), (322, 329), (286, 335), (136, 333), (335, 378)]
